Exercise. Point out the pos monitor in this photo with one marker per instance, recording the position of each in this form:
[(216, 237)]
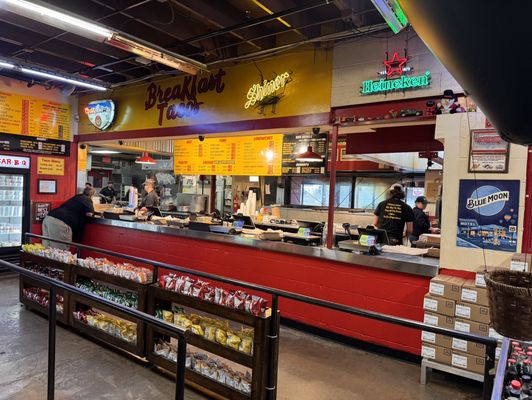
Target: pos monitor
[(380, 235)]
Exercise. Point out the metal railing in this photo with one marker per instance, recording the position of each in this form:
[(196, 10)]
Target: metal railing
[(490, 343)]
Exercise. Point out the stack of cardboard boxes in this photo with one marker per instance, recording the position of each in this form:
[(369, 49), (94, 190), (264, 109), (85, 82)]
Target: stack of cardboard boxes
[(462, 305)]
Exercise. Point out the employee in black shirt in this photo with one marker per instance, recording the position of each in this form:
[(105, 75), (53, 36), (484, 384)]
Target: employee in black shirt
[(421, 220), (393, 214), (150, 199), (109, 192), (67, 221)]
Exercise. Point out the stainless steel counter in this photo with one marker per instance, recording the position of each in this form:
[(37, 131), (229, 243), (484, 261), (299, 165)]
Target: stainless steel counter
[(422, 266)]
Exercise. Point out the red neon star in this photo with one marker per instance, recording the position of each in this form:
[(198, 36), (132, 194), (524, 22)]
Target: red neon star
[(395, 65)]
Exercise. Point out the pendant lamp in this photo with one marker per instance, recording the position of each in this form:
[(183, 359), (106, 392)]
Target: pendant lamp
[(309, 156), (145, 159)]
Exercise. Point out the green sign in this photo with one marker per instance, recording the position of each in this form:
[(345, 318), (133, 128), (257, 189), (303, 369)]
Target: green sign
[(390, 85)]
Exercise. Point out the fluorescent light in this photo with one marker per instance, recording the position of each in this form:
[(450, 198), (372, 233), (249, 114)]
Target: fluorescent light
[(6, 65), (42, 13), (156, 54), (104, 152), (58, 19), (61, 78), (392, 13)]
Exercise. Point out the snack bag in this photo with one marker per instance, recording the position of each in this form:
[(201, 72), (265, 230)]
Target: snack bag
[(221, 336), (233, 340), (210, 332), (168, 316), (246, 345)]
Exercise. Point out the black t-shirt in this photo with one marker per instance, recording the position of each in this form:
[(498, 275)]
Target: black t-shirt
[(421, 223), (393, 214), (73, 213), (150, 200), (108, 192)]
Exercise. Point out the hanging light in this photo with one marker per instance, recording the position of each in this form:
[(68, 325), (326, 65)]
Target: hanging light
[(309, 156), (145, 159)]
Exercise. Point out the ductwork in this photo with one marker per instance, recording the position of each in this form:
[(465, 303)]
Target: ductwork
[(486, 46)]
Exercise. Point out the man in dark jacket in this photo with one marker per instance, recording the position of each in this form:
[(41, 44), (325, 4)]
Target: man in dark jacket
[(67, 221), (421, 220)]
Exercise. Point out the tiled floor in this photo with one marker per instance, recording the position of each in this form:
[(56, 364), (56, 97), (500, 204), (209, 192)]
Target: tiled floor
[(310, 368)]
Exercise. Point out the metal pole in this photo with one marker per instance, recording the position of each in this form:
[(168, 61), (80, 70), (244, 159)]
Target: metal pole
[(332, 187), (273, 349), (489, 362), (51, 342), (181, 361)]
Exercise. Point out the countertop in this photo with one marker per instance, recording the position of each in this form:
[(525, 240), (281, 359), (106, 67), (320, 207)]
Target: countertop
[(415, 265)]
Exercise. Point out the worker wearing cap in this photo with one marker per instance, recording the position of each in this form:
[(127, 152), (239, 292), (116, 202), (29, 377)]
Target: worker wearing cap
[(393, 215), (421, 220)]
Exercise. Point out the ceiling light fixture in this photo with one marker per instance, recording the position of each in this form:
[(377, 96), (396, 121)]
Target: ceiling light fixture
[(145, 159), (392, 13), (29, 69), (104, 152), (309, 156), (58, 18)]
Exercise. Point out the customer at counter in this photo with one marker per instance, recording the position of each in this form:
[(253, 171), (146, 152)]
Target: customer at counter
[(421, 223), (150, 199), (67, 221), (393, 214)]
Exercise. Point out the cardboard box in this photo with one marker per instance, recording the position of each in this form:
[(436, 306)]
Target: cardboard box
[(436, 353), (446, 286), (492, 333), (521, 262), (468, 362), (433, 252), (473, 294), (474, 312), (433, 184), (430, 238), (439, 305), (466, 346), (443, 321), (436, 339), (464, 325)]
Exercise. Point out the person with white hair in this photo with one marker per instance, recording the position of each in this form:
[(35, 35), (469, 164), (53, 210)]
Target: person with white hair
[(68, 221), (150, 199)]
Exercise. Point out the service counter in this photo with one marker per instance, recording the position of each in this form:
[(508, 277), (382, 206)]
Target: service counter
[(389, 283)]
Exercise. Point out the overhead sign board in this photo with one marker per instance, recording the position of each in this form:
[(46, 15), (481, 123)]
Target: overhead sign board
[(297, 144), (101, 113), (29, 144), (244, 155), (24, 115)]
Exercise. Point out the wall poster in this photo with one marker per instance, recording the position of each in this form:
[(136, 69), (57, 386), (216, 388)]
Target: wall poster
[(488, 214), (488, 152)]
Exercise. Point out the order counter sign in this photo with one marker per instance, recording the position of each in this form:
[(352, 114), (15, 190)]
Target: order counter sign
[(50, 166), (101, 113)]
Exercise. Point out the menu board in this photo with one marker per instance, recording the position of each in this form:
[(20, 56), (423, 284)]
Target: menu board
[(28, 144), (23, 115), (244, 155), (297, 144)]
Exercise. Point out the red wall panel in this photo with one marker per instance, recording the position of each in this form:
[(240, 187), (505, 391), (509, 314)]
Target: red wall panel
[(368, 288)]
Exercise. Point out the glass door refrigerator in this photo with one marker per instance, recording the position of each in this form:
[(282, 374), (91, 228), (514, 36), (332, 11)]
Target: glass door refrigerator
[(14, 211)]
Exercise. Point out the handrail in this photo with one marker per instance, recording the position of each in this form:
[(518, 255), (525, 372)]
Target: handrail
[(180, 333), (293, 296), (489, 342)]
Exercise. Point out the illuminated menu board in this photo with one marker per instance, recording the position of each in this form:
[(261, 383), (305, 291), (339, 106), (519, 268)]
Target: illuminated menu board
[(244, 155), (23, 115), (295, 144)]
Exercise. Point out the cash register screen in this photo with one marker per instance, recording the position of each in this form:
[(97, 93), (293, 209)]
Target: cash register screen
[(239, 223), (379, 235), (367, 240)]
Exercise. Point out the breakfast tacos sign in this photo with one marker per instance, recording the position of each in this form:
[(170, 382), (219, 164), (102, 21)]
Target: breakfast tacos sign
[(277, 87)]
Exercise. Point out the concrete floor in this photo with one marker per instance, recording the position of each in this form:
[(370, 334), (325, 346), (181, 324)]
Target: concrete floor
[(310, 368)]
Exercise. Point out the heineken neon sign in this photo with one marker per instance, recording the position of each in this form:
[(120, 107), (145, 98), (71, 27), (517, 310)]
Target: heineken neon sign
[(395, 67), (389, 85)]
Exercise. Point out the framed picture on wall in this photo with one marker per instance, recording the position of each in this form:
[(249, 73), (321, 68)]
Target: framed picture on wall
[(47, 186), (488, 152)]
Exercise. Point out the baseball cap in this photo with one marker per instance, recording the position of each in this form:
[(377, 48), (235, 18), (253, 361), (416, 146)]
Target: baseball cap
[(422, 199)]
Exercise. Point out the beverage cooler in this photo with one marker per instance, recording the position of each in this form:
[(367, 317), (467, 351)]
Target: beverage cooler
[(14, 209)]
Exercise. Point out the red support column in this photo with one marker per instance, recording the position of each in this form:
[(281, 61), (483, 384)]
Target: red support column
[(212, 199), (332, 187), (527, 226)]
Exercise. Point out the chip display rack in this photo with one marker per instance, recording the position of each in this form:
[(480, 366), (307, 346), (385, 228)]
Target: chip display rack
[(256, 362)]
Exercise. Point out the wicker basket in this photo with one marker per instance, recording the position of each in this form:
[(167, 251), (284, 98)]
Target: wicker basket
[(510, 298)]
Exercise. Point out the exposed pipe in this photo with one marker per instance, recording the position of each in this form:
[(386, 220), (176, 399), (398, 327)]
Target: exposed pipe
[(332, 187)]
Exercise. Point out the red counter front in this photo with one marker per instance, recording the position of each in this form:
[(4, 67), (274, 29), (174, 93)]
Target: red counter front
[(368, 288)]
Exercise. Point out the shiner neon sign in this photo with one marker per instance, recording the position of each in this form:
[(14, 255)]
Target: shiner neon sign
[(259, 92), (395, 66)]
